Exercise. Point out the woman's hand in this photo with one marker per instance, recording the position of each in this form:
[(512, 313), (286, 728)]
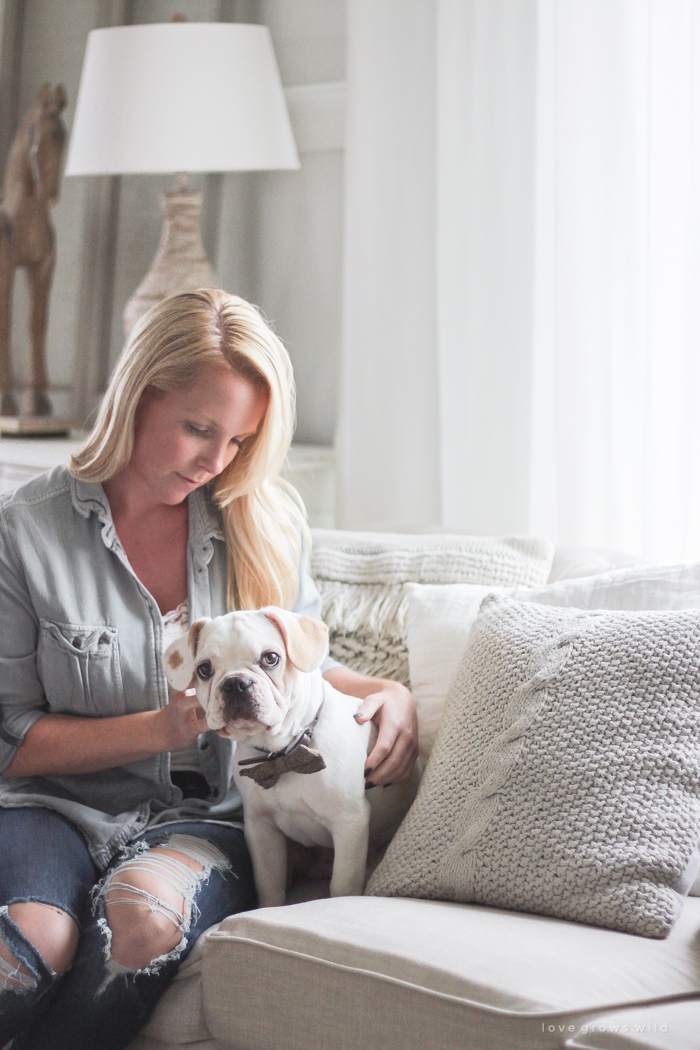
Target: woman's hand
[(392, 708), (181, 720), (66, 744)]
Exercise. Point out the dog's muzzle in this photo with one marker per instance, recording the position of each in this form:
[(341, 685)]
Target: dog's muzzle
[(237, 695)]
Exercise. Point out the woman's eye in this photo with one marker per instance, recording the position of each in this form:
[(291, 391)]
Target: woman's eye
[(269, 659), (205, 670), (196, 430)]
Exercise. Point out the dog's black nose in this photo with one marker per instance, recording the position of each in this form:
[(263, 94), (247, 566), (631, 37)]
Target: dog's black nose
[(237, 694), (236, 686)]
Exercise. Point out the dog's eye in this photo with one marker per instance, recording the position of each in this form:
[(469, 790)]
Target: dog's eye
[(205, 670), (269, 659)]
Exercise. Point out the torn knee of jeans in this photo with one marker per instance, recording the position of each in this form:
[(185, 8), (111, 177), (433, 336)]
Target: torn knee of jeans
[(115, 890), (25, 968)]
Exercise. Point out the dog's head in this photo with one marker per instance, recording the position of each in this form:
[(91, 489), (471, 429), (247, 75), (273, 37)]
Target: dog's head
[(246, 666)]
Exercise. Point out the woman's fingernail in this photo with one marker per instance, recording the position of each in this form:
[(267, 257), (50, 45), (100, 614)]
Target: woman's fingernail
[(368, 786), (386, 785), (358, 716), (368, 771)]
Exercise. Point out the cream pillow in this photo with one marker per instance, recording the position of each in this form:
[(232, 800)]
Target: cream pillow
[(438, 624), (565, 777)]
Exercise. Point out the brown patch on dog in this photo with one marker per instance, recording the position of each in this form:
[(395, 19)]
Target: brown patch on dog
[(175, 660), (195, 631)]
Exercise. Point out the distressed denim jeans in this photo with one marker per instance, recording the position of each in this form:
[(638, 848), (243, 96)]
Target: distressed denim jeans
[(98, 1002)]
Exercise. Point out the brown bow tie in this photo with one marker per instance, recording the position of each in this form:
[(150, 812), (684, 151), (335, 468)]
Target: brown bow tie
[(267, 771)]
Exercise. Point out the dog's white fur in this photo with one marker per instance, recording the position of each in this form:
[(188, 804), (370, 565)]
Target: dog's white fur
[(279, 653)]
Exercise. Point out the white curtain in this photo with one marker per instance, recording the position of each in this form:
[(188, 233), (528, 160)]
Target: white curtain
[(616, 363), (388, 443), (521, 270)]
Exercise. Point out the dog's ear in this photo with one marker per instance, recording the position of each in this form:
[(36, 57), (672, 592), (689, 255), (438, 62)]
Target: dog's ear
[(195, 631), (305, 639), (178, 658)]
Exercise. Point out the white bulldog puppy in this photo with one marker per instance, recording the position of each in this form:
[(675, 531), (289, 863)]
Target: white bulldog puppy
[(299, 763)]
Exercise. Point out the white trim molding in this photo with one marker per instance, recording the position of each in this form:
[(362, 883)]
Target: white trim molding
[(317, 112)]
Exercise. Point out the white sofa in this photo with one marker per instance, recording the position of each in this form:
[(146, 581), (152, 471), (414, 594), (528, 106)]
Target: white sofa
[(370, 973)]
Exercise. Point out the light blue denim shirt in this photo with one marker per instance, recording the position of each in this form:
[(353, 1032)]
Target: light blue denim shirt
[(80, 634)]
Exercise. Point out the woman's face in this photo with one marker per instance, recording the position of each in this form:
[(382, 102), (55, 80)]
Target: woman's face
[(184, 437)]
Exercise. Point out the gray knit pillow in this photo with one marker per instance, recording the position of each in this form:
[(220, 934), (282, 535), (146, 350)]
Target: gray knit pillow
[(565, 778)]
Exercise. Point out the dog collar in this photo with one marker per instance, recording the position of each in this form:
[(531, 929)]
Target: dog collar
[(296, 757)]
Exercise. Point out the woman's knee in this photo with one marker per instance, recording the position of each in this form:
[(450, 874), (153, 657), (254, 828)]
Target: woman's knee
[(50, 931), (149, 899)]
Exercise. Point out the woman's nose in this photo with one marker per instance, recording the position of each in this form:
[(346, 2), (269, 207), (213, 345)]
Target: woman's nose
[(214, 459)]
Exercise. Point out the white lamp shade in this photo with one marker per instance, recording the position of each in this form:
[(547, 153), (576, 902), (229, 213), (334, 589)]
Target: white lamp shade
[(180, 97)]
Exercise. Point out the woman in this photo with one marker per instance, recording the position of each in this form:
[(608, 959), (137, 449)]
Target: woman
[(120, 834)]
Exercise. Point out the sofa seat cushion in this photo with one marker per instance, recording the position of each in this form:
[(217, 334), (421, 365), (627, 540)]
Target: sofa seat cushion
[(354, 972), (663, 1026), (179, 1016)]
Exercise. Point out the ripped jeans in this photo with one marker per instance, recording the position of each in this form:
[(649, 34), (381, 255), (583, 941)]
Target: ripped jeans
[(98, 1001)]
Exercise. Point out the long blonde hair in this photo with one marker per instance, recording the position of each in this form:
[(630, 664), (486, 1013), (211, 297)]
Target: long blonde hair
[(263, 515)]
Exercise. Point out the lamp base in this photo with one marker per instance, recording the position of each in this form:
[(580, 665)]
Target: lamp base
[(180, 264)]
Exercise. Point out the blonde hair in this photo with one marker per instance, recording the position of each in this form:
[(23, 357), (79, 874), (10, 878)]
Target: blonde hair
[(263, 516)]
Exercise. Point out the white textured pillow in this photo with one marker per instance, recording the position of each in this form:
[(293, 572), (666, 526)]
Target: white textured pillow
[(437, 626), (565, 778), (361, 577)]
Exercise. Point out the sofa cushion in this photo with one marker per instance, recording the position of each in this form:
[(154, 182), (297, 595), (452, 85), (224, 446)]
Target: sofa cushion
[(570, 562), (361, 576), (565, 778), (179, 1016), (663, 1026), (356, 972)]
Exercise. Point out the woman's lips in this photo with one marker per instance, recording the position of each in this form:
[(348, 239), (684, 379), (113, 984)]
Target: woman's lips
[(190, 481)]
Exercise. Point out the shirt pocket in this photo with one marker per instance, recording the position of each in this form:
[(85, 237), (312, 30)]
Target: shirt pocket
[(79, 668)]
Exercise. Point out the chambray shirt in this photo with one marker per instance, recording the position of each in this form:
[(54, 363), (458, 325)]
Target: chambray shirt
[(80, 634)]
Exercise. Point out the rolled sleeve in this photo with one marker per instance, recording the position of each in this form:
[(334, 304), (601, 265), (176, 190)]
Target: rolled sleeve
[(22, 700), (308, 601)]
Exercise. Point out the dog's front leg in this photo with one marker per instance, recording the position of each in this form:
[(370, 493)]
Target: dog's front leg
[(350, 842), (268, 851)]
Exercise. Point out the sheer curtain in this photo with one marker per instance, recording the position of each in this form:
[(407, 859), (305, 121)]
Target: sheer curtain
[(527, 278), (616, 363)]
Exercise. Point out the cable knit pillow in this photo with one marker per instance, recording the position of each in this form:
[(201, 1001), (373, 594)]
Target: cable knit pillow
[(361, 577), (565, 778)]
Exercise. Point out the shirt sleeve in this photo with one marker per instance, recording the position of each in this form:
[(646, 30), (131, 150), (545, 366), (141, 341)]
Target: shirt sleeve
[(308, 601), (22, 699)]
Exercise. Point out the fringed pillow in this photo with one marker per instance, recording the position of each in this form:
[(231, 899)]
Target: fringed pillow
[(361, 577)]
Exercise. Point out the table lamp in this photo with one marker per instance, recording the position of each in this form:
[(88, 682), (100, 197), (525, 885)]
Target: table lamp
[(176, 98)]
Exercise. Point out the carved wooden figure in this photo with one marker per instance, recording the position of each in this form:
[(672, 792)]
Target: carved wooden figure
[(27, 238)]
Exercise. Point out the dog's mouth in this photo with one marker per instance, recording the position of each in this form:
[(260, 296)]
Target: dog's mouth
[(242, 726)]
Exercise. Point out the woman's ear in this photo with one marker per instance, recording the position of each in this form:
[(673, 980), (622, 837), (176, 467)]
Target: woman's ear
[(305, 638)]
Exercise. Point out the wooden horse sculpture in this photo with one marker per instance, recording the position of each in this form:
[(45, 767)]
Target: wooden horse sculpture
[(27, 238)]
